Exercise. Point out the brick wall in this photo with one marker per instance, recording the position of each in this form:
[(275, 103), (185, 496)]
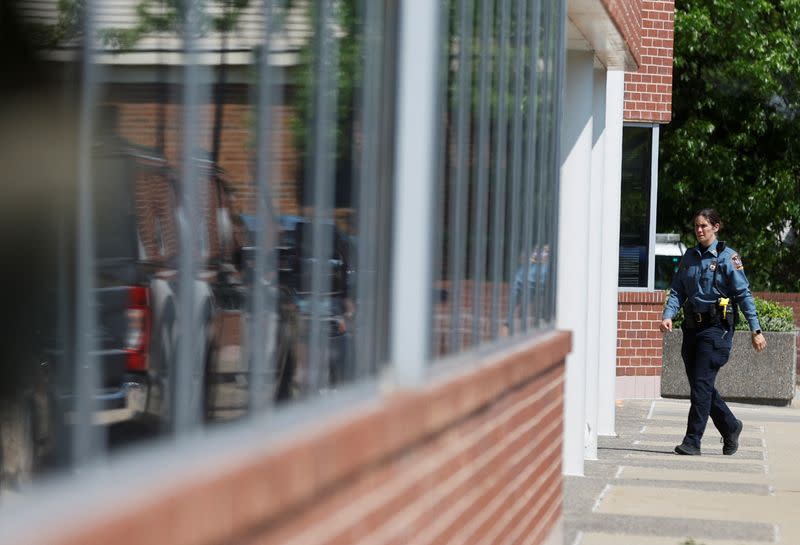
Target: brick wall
[(442, 309), (471, 457), (648, 92), (639, 341), (627, 16), (141, 106), (154, 202)]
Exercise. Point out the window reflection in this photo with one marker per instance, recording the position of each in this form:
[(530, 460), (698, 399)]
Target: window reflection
[(197, 224)]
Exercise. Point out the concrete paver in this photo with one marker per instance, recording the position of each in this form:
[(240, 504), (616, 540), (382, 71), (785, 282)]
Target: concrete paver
[(638, 500), (612, 539), (639, 493), (661, 474), (749, 458)]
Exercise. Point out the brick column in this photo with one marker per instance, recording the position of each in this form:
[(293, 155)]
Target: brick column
[(639, 343), (648, 91)]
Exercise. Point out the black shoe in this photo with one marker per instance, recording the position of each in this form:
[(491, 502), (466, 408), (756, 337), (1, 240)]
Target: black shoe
[(687, 450), (730, 444)]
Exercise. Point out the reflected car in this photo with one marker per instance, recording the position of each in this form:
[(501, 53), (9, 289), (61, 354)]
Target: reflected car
[(138, 223), (669, 251)]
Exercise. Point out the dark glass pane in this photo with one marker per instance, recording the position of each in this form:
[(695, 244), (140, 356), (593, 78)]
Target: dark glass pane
[(635, 209)]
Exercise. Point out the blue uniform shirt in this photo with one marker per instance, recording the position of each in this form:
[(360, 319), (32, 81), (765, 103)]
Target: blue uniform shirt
[(695, 276), (537, 275)]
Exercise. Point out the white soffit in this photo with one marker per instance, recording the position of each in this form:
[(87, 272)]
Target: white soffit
[(590, 28)]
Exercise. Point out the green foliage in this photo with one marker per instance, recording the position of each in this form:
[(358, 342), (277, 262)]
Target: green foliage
[(772, 316), (348, 63), (166, 16), (733, 141), (66, 28), (349, 67), (517, 28), (152, 16)]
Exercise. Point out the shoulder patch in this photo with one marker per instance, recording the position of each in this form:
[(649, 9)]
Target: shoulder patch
[(737, 262)]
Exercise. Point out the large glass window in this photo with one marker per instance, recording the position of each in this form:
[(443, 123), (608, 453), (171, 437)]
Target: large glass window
[(200, 227), (636, 242), (497, 193)]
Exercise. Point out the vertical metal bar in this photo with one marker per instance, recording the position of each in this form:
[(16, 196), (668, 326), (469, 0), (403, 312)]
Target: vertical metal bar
[(441, 161), (479, 201), (553, 168), (186, 392), (67, 377), (414, 203), (523, 194), (386, 186), (545, 181), (324, 160), (516, 157), (532, 160), (551, 146), (263, 293), (460, 178), (558, 60), (500, 155), (560, 52), (85, 439), (366, 262)]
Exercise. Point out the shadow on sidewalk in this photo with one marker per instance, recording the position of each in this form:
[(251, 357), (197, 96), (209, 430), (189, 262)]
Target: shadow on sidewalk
[(650, 451)]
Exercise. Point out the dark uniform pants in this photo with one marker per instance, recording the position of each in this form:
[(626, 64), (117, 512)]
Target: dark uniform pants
[(704, 351)]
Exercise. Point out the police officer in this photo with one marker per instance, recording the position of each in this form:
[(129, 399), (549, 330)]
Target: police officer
[(711, 283), (537, 276)]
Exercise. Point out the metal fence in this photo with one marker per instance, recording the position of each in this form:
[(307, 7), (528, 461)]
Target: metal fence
[(262, 202)]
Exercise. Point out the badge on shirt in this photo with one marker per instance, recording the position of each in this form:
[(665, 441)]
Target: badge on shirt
[(737, 262)]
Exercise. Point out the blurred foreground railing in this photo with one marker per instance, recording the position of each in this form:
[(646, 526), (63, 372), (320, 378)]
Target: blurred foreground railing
[(268, 202)]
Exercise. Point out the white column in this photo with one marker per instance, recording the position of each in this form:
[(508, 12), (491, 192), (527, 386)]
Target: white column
[(593, 258), (609, 269), (573, 246)]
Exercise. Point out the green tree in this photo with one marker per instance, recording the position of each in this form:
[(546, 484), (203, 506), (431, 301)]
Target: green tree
[(733, 143), (347, 41)]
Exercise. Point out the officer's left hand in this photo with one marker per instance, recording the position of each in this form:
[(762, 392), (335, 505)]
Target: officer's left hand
[(759, 342)]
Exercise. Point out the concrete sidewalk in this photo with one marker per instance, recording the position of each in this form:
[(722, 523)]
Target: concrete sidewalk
[(640, 493)]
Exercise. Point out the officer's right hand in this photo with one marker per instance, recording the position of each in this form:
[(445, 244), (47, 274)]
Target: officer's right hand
[(666, 325), (759, 342)]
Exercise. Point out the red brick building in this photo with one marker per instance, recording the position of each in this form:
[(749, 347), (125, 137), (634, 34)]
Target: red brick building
[(648, 90), (648, 103)]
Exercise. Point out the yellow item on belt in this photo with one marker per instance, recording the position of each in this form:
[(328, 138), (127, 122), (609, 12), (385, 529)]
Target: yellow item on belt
[(724, 302)]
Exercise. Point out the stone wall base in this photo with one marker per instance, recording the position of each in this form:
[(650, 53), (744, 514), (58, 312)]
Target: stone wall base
[(766, 378)]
